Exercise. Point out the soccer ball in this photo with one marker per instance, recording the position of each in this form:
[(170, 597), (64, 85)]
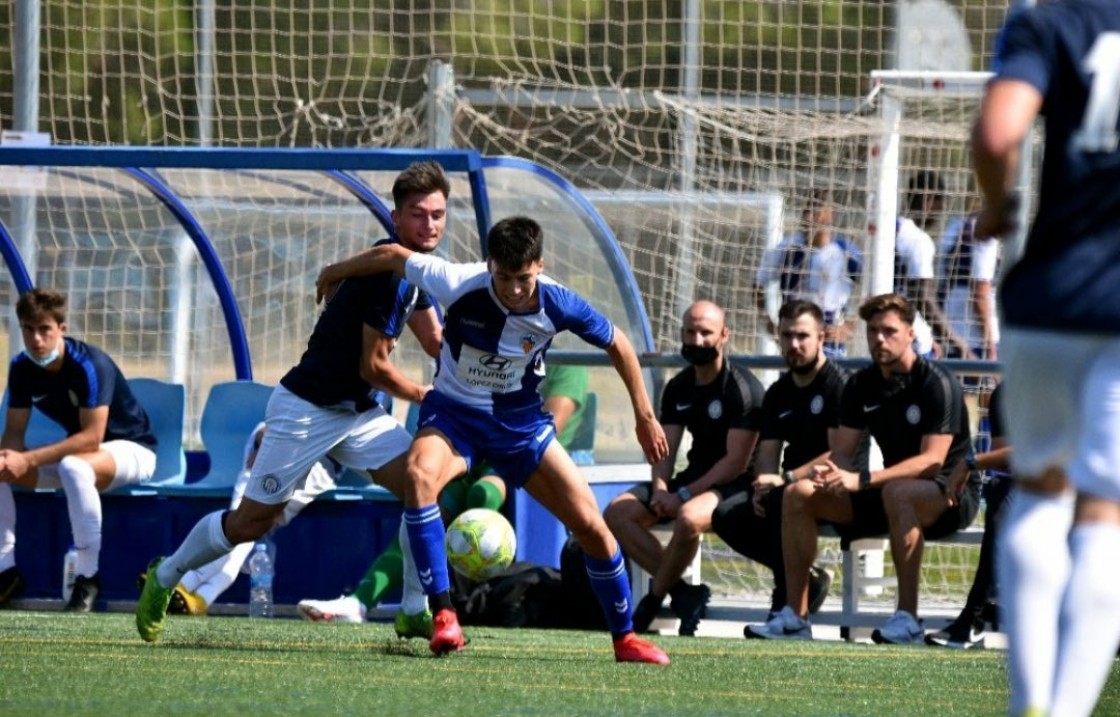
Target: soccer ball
[(480, 543)]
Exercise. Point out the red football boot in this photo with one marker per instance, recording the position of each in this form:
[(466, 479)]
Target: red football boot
[(631, 648), (447, 636)]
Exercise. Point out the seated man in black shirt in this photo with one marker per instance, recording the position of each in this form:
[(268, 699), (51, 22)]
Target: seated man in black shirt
[(914, 409)]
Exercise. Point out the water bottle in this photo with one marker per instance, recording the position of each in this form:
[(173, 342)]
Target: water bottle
[(260, 582), (69, 572)]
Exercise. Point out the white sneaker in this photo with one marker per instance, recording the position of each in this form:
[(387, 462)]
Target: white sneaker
[(342, 609), (785, 625), (901, 629)]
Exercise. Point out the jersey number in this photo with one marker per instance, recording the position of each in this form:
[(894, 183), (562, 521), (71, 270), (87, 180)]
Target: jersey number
[(1098, 127)]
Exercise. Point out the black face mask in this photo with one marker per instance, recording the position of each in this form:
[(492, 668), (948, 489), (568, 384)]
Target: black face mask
[(699, 355)]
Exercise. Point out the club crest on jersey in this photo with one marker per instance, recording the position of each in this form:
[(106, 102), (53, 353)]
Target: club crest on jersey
[(816, 405), (528, 342), (270, 484), (913, 415), (715, 409)]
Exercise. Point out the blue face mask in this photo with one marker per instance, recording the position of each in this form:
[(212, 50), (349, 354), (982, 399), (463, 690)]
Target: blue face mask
[(46, 360)]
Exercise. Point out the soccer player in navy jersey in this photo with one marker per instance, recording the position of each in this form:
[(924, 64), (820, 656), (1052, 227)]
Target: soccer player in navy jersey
[(500, 318), (325, 407), (108, 444), (1061, 348)]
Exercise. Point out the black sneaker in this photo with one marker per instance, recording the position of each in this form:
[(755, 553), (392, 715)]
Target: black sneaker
[(84, 595), (690, 604), (964, 633), (11, 584), (819, 582), (645, 612)]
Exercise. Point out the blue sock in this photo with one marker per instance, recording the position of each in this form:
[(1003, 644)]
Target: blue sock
[(426, 535), (612, 586)]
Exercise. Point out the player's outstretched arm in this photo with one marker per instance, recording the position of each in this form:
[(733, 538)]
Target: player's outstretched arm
[(1008, 109), (651, 436), (375, 260)]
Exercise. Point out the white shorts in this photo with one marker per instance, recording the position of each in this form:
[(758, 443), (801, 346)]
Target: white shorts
[(1061, 406), (300, 434), (135, 464)]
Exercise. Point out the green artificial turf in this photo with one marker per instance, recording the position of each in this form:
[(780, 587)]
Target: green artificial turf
[(54, 663)]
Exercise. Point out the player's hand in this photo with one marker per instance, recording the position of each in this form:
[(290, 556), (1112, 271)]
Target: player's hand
[(998, 221), (954, 484), (651, 437), (14, 466), (662, 505), (326, 284), (831, 478)]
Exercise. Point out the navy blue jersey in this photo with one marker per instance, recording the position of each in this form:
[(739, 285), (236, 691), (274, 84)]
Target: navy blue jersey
[(88, 379), (708, 412), (1070, 270), (901, 410), (328, 373)]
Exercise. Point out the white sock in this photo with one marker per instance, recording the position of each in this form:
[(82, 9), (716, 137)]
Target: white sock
[(84, 505), (1033, 570), (7, 527), (206, 541), (413, 599), (227, 570), (1090, 622)]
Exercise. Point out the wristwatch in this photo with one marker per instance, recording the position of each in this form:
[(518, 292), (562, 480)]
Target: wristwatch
[(684, 494), (788, 477), (865, 479)]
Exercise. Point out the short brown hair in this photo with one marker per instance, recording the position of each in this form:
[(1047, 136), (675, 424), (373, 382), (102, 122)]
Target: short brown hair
[(420, 178), (36, 303), (887, 302), (796, 307)]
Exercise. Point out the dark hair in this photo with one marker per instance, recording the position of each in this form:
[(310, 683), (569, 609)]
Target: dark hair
[(818, 198), (921, 184), (36, 303), (887, 302), (420, 178), (796, 307), (514, 242)]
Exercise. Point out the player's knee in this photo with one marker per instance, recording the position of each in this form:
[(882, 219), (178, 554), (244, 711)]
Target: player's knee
[(243, 526)]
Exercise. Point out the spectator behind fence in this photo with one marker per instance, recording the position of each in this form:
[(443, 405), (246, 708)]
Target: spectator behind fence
[(980, 608), (914, 255), (108, 444), (968, 271), (800, 412), (1061, 348), (721, 406), (565, 396), (502, 316), (324, 407), (914, 409), (813, 264)]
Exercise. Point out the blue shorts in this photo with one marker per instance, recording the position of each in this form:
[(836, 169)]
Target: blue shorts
[(513, 447)]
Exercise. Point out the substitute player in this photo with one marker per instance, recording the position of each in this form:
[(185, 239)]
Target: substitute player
[(1061, 348), (500, 319)]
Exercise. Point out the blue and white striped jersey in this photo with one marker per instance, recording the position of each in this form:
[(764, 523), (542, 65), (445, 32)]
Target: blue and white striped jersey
[(493, 359)]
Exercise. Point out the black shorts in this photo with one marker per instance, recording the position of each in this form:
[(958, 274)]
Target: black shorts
[(869, 518)]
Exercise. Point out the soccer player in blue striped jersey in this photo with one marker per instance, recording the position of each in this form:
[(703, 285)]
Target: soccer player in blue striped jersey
[(1060, 347), (500, 318)]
